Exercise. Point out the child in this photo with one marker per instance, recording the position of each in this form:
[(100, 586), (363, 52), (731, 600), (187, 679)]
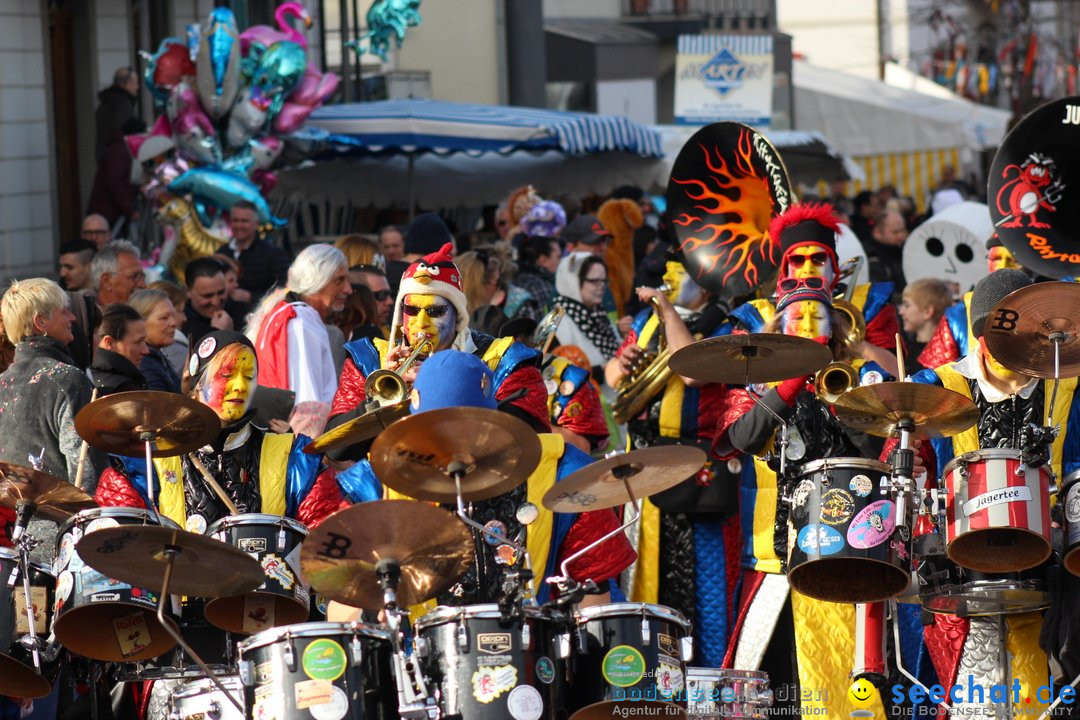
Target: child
[(923, 303)]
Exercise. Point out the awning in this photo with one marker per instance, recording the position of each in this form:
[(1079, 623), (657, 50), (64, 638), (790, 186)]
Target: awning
[(913, 174), (589, 51)]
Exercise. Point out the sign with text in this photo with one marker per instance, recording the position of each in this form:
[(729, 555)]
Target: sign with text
[(724, 77)]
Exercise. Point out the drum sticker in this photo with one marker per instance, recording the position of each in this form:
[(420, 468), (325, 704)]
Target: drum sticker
[(90, 582), (669, 679), (996, 497), (144, 596), (264, 673), (64, 583), (276, 569), (820, 540), (496, 532), (802, 493), (899, 546), (132, 634), (195, 523), (525, 703), (334, 709), (545, 670), (105, 597), (268, 704), (1072, 503), (666, 643), (39, 598), (252, 545), (861, 485), (872, 526), (67, 549), (623, 666), (324, 659), (490, 682), (101, 524), (493, 643), (837, 507), (258, 613), (311, 692)]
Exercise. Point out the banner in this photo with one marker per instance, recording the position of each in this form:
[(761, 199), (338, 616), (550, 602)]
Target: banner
[(724, 77)]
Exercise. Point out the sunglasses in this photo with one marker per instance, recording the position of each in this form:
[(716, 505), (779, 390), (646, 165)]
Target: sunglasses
[(789, 284), (382, 295), (818, 259), (435, 311)]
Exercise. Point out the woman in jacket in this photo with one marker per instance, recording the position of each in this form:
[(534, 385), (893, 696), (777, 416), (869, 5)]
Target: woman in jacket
[(155, 307)]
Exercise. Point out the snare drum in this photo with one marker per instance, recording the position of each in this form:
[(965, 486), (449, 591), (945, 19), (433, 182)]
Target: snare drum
[(630, 652), (998, 512), (98, 617), (202, 699), (284, 597), (319, 670), (946, 588), (843, 543), (486, 669), (1071, 492), (18, 677), (713, 694)]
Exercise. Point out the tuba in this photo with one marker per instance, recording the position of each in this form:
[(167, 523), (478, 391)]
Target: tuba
[(647, 378), (388, 387)]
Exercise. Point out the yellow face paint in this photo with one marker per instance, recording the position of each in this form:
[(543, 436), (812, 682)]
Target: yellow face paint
[(228, 383), (807, 318), (432, 315), (1001, 258), (674, 273), (997, 369), (810, 261)]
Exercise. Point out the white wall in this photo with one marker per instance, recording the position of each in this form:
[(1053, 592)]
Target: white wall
[(26, 203), (835, 35), (634, 99), (582, 8)]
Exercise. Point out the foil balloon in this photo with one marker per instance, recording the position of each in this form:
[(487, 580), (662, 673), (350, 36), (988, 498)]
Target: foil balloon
[(223, 189), (193, 240), (194, 133), (167, 68), (279, 71), (218, 63), (266, 36), (257, 155), (389, 20), (247, 118), (157, 186), (314, 89)]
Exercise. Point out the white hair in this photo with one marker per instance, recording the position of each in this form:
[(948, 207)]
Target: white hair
[(314, 268), (107, 260)]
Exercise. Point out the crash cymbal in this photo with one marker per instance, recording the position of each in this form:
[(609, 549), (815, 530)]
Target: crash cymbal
[(19, 680), (498, 450), (119, 423), (601, 484), (432, 547), (204, 567), (56, 499), (358, 429), (879, 409), (756, 358), (1019, 329)]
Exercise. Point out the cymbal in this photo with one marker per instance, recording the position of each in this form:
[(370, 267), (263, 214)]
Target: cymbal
[(1018, 330), (648, 471), (412, 455), (359, 428), (879, 409), (756, 358), (56, 499), (432, 547), (204, 567), (176, 424), (20, 680)]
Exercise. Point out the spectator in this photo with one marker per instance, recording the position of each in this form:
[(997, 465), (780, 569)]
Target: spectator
[(374, 279), (581, 281), (427, 233), (502, 222), (479, 278), (75, 258), (539, 259), (238, 301), (155, 307), (121, 347), (113, 194), (291, 341), (392, 243), (263, 265), (885, 250), (116, 104), (358, 250), (586, 235), (923, 304), (205, 311), (361, 316), (867, 207), (116, 273), (838, 198), (176, 353), (95, 229)]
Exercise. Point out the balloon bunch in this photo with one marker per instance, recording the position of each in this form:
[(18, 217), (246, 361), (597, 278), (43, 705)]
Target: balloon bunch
[(228, 100)]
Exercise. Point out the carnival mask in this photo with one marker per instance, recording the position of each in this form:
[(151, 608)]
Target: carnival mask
[(683, 291), (228, 383), (432, 315), (807, 318)]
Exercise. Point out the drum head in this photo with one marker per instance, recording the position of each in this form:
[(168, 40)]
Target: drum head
[(849, 580), (229, 613), (988, 599), (114, 632), (998, 550)]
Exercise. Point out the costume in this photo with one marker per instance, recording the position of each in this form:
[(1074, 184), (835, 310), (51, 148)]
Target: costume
[(294, 351), (952, 337), (621, 217), (573, 402)]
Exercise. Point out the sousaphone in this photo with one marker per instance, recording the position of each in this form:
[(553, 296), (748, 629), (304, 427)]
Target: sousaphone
[(1032, 171), (726, 186)]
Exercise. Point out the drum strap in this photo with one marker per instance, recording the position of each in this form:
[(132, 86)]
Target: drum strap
[(761, 618)]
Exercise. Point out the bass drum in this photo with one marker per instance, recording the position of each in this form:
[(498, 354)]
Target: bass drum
[(18, 677), (714, 694), (488, 669), (843, 543)]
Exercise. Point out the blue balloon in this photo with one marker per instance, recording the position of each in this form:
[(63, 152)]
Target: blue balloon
[(222, 35), (280, 70), (223, 189)]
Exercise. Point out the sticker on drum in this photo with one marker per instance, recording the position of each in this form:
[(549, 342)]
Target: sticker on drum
[(623, 666), (802, 493), (268, 705), (545, 669), (872, 526), (324, 659), (132, 634), (101, 524), (275, 568), (195, 524), (334, 709), (669, 678), (1072, 512), (67, 549), (861, 485), (525, 703), (491, 681), (820, 540), (258, 613), (666, 643), (252, 545), (311, 692), (264, 673), (837, 506), (39, 598), (1001, 496), (64, 584)]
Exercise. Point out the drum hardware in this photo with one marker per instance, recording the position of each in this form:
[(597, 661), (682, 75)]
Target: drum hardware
[(16, 678), (180, 559), (895, 614), (414, 700)]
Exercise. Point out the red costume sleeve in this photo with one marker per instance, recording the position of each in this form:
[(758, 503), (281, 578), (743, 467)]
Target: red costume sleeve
[(881, 331), (534, 402), (631, 339), (350, 389), (942, 348), (584, 415), (7, 526), (737, 403), (115, 490), (926, 454), (601, 563), (324, 500)]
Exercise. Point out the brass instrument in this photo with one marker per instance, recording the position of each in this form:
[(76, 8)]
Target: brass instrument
[(388, 387), (647, 377), (834, 380), (837, 378)]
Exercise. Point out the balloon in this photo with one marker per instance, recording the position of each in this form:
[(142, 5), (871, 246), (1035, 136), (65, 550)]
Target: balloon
[(166, 68), (218, 64), (388, 20), (266, 36), (223, 189), (194, 133), (246, 119), (192, 239), (280, 70), (314, 89)]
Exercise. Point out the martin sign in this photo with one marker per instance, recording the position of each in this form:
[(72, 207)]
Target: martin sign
[(724, 77)]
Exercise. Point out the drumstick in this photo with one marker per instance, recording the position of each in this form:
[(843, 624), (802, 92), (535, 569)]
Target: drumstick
[(213, 484), (84, 450), (900, 358)]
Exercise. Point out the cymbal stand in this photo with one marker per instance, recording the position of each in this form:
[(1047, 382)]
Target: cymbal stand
[(902, 481), (895, 611), (1056, 338), (24, 510), (148, 437), (414, 702), (747, 353), (171, 552)]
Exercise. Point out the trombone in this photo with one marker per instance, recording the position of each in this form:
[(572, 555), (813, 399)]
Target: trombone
[(388, 387)]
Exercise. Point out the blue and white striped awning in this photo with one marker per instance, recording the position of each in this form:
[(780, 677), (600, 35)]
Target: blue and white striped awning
[(436, 126)]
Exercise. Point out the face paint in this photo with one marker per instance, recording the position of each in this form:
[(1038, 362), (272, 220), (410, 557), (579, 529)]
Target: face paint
[(1001, 258), (997, 369), (684, 291), (806, 318), (810, 261), (432, 315), (228, 383)]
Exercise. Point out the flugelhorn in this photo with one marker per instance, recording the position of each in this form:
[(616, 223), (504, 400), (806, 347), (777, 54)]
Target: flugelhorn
[(649, 375), (388, 387)]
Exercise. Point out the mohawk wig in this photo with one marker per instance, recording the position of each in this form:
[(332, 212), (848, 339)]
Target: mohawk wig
[(806, 223)]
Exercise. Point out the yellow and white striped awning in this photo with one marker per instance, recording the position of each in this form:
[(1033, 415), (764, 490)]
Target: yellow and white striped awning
[(913, 174)]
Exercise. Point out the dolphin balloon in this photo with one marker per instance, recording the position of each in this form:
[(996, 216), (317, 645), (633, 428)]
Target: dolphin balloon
[(223, 189), (218, 64)]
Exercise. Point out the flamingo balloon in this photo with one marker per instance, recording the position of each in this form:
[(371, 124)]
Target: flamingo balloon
[(266, 36)]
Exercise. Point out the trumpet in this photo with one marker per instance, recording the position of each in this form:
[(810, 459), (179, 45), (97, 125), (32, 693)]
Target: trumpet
[(834, 380), (388, 387)]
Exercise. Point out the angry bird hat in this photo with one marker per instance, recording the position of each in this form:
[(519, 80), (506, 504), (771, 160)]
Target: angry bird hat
[(434, 274)]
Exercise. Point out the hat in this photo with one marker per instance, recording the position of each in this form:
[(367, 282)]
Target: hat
[(211, 344), (944, 199), (426, 234), (586, 230), (545, 219), (994, 241), (803, 293), (806, 224), (991, 290), (518, 327), (453, 379), (434, 274)]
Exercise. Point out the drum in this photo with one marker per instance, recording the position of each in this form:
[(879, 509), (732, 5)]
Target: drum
[(98, 617), (843, 543), (284, 598), (202, 699), (713, 694), (17, 673), (998, 512), (630, 653), (488, 669), (215, 646), (1071, 492), (320, 670), (948, 589)]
